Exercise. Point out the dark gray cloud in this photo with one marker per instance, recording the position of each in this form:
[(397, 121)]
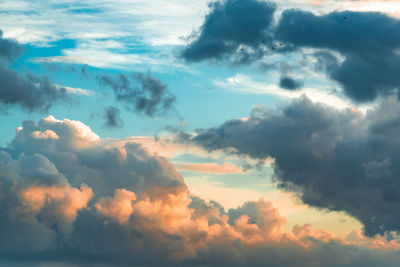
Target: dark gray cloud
[(24, 90), (141, 93), (229, 25), (112, 117), (289, 83), (325, 61), (28, 91), (362, 33), (336, 160), (367, 40)]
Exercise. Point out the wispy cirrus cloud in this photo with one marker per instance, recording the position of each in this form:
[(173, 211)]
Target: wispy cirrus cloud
[(79, 20), (120, 39), (112, 59)]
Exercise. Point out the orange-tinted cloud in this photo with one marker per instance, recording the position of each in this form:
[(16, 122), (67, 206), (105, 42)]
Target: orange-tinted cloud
[(225, 168), (65, 200), (120, 207)]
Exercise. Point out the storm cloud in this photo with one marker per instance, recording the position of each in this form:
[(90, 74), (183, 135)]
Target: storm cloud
[(71, 198), (141, 93), (229, 25), (335, 160)]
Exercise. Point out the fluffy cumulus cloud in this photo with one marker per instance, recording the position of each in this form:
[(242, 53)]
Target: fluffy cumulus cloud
[(337, 160), (68, 197), (141, 93), (27, 91)]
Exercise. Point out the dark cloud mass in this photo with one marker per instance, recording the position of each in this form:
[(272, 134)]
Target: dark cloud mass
[(112, 117), (24, 90), (363, 33), (68, 198), (367, 40), (141, 93), (289, 83), (336, 160), (230, 24)]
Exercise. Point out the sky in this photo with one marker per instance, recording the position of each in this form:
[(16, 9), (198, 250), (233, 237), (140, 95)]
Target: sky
[(200, 133)]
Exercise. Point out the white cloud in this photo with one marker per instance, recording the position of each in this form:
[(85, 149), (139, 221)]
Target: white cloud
[(75, 91)]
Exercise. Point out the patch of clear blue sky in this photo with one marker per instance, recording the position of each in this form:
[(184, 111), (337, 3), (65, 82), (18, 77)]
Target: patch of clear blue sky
[(199, 101)]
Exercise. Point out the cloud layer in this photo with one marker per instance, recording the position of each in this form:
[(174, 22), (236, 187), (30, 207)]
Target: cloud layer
[(68, 197)]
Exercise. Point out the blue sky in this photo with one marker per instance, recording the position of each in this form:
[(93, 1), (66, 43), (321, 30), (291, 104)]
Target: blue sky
[(208, 104)]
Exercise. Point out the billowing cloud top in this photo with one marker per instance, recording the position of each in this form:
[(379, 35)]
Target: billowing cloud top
[(68, 197)]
